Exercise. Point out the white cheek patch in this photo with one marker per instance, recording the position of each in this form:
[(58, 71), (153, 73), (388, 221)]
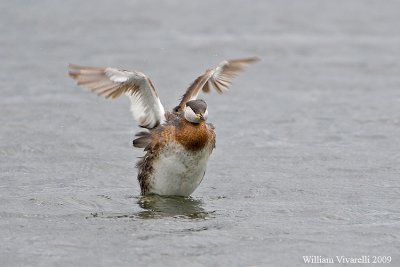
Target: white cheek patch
[(205, 115), (190, 115)]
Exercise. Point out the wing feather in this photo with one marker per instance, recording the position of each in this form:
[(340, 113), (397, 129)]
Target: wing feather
[(220, 78), (146, 106)]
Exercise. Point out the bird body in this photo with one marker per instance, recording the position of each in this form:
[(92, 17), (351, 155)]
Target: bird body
[(176, 170), (179, 143), (176, 158)]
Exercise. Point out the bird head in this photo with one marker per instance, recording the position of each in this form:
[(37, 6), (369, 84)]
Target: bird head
[(196, 111)]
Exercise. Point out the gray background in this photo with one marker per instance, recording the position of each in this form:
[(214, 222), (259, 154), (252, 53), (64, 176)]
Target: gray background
[(307, 158)]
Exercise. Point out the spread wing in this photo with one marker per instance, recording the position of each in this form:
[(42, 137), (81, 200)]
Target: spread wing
[(146, 106), (220, 78)]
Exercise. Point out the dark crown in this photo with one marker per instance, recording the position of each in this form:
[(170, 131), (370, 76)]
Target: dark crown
[(198, 106)]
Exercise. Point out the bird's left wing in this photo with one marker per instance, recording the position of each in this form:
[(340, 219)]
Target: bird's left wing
[(220, 78), (146, 106)]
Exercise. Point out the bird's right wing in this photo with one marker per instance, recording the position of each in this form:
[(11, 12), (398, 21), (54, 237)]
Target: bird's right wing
[(146, 106)]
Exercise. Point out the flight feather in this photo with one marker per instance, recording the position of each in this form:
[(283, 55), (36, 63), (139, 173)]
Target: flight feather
[(146, 106)]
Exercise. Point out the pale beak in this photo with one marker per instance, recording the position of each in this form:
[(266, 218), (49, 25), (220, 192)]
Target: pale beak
[(199, 116)]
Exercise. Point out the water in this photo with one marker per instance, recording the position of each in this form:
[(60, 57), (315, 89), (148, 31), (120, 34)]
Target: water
[(307, 157)]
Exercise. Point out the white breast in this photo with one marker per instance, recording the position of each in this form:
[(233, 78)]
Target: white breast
[(178, 171)]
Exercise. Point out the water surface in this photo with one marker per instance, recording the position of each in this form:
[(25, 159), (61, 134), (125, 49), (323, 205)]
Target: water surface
[(307, 158)]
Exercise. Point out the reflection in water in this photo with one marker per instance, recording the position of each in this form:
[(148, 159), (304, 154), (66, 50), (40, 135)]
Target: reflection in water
[(157, 206)]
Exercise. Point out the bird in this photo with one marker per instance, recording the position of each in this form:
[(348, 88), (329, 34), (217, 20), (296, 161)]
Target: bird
[(177, 143)]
